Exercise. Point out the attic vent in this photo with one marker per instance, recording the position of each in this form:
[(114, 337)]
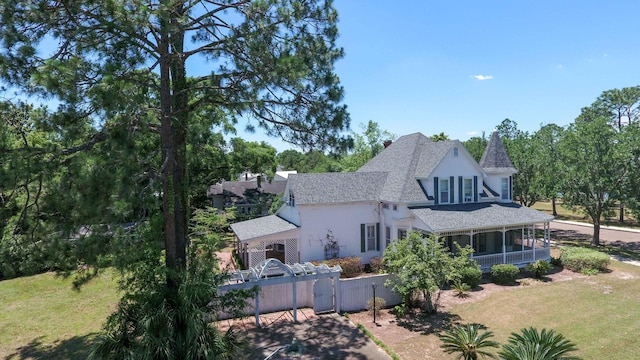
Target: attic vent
[(455, 152)]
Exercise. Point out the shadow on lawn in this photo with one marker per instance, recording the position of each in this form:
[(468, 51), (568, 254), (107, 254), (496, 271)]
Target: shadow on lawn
[(427, 324), (77, 347)]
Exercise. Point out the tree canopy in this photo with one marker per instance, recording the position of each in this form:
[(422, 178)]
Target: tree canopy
[(140, 85)]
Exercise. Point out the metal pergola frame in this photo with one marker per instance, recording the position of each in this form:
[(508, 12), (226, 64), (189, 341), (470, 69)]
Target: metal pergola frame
[(273, 272)]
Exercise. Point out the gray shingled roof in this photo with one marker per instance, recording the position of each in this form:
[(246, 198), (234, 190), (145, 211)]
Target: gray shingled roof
[(495, 155), (477, 215), (407, 159), (262, 226), (328, 188)]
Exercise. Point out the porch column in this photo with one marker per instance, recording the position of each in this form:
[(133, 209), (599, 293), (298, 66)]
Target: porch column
[(471, 242), (504, 245)]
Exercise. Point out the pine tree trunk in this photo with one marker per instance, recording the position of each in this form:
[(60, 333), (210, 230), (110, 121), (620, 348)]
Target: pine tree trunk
[(173, 141), (621, 213), (553, 206)]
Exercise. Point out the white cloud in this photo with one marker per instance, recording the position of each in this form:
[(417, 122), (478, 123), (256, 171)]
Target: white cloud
[(482, 77), (472, 133)]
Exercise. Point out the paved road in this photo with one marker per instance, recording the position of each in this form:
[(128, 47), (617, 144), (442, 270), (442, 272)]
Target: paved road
[(627, 239)]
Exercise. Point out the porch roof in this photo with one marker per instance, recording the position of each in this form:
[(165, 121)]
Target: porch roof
[(262, 226), (476, 216)]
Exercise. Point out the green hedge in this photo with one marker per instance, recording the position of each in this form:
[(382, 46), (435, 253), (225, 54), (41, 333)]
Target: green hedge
[(471, 275), (504, 274), (583, 260)]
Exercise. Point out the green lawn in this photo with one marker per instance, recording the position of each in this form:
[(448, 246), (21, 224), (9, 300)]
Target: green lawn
[(42, 317), (598, 313)]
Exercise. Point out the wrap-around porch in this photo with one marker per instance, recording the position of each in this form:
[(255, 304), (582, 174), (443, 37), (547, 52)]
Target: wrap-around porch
[(517, 245)]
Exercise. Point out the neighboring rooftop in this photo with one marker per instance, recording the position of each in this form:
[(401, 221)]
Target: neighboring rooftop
[(495, 157)]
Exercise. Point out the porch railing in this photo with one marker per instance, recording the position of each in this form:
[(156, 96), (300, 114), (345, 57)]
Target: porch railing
[(520, 258)]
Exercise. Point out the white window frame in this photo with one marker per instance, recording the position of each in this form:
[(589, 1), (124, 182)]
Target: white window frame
[(504, 186), (370, 233), (465, 188), (445, 199)]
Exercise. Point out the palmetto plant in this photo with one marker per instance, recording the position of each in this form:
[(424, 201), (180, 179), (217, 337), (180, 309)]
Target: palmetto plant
[(534, 345), (468, 342)]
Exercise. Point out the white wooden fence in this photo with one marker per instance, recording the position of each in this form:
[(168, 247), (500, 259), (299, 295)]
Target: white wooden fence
[(353, 295)]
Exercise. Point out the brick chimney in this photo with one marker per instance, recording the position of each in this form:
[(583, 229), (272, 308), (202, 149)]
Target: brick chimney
[(386, 143)]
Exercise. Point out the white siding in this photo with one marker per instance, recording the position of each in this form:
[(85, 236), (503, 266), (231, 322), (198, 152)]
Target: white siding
[(344, 222), (462, 165)]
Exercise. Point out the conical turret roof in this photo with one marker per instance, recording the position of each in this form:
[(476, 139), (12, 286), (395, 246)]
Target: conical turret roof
[(495, 157)]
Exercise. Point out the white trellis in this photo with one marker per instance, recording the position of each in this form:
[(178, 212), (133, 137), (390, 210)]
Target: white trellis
[(273, 271)]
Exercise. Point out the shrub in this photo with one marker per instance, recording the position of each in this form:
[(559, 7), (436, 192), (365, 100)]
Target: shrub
[(584, 260), (555, 261), (471, 275), (401, 310), (377, 265), (351, 265), (540, 268), (377, 304), (504, 274), (461, 289)]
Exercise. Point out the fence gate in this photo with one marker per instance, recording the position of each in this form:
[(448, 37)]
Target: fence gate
[(323, 295)]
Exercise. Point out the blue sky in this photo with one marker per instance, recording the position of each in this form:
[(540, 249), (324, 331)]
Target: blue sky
[(461, 67)]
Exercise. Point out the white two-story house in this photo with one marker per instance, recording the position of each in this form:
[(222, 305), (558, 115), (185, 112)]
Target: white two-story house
[(415, 184)]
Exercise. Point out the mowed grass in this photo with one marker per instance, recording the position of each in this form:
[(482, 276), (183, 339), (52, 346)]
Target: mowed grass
[(42, 317), (598, 313)]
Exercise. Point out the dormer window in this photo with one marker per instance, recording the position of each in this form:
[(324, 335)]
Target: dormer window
[(468, 190), (455, 152), (444, 191)]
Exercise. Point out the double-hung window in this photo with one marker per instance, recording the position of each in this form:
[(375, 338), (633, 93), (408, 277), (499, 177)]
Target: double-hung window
[(387, 235), (505, 188), (371, 237), (444, 191), (468, 190)]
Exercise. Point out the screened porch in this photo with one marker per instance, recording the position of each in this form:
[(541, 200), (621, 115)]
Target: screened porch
[(518, 245)]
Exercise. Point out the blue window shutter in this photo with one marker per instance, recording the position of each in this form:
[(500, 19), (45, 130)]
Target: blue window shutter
[(460, 189), (363, 240), (435, 189), (378, 236), (475, 189), (452, 195)]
